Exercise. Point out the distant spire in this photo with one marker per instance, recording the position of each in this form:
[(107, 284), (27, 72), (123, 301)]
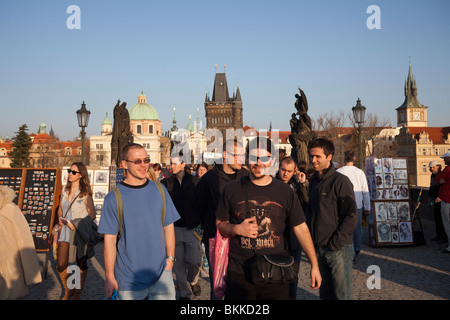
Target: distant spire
[(411, 91), (238, 95), (174, 127)]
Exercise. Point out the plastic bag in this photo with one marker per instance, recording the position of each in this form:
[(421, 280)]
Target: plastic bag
[(55, 242), (218, 256)]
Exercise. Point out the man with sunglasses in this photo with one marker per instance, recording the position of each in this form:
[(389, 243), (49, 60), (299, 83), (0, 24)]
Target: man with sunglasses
[(139, 265), (274, 209)]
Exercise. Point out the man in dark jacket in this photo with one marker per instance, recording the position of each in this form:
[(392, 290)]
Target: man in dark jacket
[(333, 219), (289, 173), (188, 251), (433, 194), (209, 188)]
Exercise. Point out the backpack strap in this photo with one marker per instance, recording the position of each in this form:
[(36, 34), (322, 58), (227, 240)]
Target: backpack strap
[(119, 204), (163, 195)]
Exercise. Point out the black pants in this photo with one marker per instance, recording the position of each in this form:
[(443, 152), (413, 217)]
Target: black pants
[(440, 231), (238, 288)]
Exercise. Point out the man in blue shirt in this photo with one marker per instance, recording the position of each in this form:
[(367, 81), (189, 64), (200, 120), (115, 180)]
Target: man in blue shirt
[(139, 265)]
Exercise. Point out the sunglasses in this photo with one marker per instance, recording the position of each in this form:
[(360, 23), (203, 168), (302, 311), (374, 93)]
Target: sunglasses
[(139, 161), (73, 171), (254, 159)]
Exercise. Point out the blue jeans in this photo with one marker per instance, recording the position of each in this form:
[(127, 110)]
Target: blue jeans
[(336, 271), (163, 289), (357, 236)]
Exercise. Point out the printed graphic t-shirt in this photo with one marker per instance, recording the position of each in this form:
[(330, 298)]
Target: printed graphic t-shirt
[(276, 208)]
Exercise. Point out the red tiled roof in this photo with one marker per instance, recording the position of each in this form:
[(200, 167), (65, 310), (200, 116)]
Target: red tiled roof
[(436, 134)]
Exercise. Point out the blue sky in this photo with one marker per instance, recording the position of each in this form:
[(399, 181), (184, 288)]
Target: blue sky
[(169, 50)]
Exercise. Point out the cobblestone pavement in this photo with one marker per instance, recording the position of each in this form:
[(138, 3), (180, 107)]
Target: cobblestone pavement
[(407, 273)]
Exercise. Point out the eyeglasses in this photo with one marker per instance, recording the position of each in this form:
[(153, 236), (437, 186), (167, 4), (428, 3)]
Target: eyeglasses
[(254, 159), (139, 161), (236, 155), (73, 171)]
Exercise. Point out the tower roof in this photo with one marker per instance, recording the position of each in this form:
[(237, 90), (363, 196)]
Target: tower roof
[(220, 93), (411, 92)]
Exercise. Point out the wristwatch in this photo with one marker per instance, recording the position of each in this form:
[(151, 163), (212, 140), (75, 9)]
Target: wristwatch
[(171, 258)]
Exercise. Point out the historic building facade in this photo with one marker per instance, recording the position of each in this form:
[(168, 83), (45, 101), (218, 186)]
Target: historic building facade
[(416, 141)]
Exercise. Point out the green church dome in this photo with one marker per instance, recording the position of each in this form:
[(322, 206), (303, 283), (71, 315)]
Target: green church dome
[(142, 110)]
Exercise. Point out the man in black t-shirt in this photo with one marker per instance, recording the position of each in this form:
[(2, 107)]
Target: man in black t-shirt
[(273, 207)]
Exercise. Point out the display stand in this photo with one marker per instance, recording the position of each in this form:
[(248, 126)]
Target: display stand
[(37, 196), (390, 220)]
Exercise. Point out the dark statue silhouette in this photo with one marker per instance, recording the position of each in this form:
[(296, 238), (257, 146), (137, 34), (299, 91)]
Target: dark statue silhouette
[(301, 131), (121, 134)]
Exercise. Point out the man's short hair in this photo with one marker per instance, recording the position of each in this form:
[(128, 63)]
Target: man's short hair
[(234, 142), (261, 143), (180, 156), (324, 143), (288, 160), (349, 156), (128, 147)]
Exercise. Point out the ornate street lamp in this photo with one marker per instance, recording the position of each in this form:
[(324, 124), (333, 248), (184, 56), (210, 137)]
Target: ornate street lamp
[(359, 113), (83, 120)]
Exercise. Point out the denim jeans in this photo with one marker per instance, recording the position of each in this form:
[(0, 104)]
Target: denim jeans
[(358, 234), (336, 271), (163, 289)]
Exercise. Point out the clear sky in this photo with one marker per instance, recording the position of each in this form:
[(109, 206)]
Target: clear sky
[(168, 49)]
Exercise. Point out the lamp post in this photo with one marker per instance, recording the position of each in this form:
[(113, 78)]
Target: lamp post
[(359, 113), (161, 151), (83, 119)]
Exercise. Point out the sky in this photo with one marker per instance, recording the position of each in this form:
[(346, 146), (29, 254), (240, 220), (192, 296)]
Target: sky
[(336, 51)]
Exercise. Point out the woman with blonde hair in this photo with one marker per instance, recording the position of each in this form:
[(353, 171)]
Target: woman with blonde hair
[(151, 174), (76, 205)]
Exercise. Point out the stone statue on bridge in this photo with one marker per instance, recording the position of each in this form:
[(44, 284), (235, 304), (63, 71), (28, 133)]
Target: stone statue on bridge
[(121, 133), (301, 130)]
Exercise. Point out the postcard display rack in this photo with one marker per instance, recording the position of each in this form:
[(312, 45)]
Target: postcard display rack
[(37, 196), (390, 221)]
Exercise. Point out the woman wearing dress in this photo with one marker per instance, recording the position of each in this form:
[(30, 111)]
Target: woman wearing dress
[(76, 203)]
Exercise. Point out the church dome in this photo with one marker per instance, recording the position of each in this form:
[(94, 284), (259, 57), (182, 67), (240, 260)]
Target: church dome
[(106, 121), (142, 110)]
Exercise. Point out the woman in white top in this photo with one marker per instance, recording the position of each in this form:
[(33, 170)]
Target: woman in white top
[(76, 203)]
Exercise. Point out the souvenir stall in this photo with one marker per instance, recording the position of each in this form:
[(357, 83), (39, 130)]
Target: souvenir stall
[(390, 220)]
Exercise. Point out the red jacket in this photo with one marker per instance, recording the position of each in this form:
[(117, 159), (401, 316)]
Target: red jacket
[(444, 190)]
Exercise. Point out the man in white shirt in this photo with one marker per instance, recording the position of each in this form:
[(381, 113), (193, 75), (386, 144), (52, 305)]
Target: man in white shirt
[(362, 196)]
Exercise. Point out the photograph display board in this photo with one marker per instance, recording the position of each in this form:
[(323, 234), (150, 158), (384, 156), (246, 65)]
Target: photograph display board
[(37, 197), (390, 221)]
